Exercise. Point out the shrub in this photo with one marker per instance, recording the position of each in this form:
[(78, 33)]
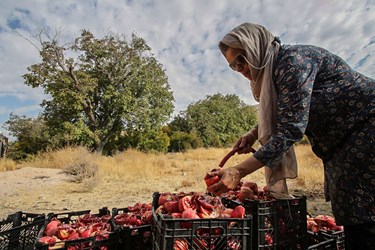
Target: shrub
[(182, 141), (82, 167), (153, 141)]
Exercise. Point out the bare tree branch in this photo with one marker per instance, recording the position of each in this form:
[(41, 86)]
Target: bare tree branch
[(33, 44)]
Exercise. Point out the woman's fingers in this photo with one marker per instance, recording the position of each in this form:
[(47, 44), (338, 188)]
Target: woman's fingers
[(244, 142), (237, 144), (229, 179), (245, 150), (214, 172), (217, 188)]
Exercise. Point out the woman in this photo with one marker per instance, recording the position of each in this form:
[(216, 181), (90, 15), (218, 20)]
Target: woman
[(306, 90)]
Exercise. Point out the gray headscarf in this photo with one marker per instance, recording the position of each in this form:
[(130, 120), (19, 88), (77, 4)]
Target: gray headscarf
[(261, 49)]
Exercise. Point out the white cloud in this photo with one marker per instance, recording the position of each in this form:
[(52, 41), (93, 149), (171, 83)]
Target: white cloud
[(184, 34)]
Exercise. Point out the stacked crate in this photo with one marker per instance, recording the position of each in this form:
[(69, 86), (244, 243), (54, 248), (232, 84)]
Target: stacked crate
[(202, 234), (19, 230), (337, 236), (278, 223), (320, 242)]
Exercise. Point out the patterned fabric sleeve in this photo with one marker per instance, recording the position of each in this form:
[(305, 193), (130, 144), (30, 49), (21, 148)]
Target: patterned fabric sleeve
[(294, 76)]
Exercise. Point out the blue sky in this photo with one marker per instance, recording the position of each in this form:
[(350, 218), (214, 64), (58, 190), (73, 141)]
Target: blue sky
[(183, 36)]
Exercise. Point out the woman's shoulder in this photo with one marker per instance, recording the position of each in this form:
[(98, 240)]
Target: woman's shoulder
[(301, 54), (301, 49)]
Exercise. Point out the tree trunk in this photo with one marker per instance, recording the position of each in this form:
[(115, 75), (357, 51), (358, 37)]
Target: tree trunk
[(100, 147)]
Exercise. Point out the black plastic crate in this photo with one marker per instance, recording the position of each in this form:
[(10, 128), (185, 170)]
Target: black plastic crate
[(112, 243), (320, 242), (200, 234), (89, 243), (133, 238), (338, 236), (278, 223), (19, 230)]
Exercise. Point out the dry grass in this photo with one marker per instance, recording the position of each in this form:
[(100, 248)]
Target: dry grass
[(311, 171), (144, 172), (7, 165)]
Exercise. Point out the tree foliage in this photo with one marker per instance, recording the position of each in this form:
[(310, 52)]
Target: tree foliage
[(218, 120), (100, 88), (31, 133), (181, 141)]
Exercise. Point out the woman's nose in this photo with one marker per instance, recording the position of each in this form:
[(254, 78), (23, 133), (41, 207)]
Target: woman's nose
[(239, 67)]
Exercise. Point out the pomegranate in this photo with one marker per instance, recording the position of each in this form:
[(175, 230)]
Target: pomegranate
[(185, 203), (176, 215), (164, 197), (47, 240), (73, 235), (269, 239), (171, 206), (238, 212), (226, 213), (245, 193), (188, 214), (52, 227), (86, 232), (147, 217), (180, 244), (210, 180), (63, 233)]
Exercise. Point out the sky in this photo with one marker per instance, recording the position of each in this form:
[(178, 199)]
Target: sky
[(183, 36)]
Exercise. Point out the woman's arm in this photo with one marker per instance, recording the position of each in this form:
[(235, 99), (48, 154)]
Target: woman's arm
[(294, 77)]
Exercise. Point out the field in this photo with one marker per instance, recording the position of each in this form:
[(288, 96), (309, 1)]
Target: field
[(74, 179)]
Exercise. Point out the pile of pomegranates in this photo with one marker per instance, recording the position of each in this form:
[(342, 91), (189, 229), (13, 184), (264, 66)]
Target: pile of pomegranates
[(322, 222), (195, 205), (56, 231), (134, 216)]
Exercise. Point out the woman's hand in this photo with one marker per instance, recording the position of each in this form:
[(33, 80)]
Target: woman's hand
[(229, 180), (246, 142)]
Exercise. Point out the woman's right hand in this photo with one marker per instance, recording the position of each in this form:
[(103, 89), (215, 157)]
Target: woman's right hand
[(227, 179), (245, 142)]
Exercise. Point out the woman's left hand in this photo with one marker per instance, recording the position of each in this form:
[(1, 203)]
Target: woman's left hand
[(229, 180)]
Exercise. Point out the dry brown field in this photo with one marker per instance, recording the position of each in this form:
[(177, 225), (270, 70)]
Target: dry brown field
[(73, 179)]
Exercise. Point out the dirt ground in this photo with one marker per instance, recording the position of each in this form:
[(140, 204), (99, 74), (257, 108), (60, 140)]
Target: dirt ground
[(43, 190)]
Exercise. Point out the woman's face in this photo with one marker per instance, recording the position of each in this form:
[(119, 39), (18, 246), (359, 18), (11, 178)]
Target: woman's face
[(237, 61)]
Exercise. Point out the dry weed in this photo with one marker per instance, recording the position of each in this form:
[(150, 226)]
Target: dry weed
[(82, 167), (89, 184), (7, 165)]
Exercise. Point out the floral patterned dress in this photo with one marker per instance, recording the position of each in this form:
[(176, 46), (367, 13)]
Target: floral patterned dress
[(321, 96)]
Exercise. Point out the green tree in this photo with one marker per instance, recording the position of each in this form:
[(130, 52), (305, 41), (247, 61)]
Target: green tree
[(219, 120), (103, 88), (180, 123), (31, 133)]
